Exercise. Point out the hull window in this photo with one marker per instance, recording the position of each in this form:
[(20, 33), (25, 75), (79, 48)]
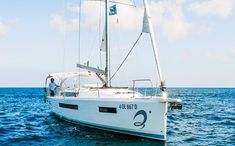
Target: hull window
[(70, 94), (107, 110), (69, 106)]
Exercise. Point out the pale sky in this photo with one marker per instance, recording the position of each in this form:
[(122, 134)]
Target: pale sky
[(195, 39)]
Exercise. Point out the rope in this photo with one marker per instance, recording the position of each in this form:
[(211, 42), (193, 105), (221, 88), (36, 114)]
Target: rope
[(126, 56)]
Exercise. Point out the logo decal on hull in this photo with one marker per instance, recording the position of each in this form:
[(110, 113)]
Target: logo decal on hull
[(141, 124)]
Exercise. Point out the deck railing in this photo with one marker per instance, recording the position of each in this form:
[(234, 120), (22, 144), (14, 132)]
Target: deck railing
[(141, 80)]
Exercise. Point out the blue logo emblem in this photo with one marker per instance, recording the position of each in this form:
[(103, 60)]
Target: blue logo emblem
[(142, 123)]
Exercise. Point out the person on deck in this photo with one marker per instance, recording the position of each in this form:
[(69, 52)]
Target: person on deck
[(52, 87)]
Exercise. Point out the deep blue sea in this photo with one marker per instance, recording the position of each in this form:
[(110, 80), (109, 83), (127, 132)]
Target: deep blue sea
[(207, 118)]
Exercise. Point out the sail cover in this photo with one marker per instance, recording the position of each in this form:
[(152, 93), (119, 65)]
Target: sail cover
[(145, 23)]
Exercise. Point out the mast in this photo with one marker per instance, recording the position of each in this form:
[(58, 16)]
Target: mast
[(154, 46), (107, 46)]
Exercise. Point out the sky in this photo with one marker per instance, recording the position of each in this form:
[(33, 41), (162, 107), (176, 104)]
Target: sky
[(195, 41)]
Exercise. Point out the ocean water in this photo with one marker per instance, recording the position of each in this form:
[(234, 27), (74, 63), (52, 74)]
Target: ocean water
[(207, 118)]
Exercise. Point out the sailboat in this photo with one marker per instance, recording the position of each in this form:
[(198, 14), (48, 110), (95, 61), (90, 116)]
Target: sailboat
[(117, 109)]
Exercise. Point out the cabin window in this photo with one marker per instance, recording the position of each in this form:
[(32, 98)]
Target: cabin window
[(70, 94), (69, 106), (107, 110), (129, 92)]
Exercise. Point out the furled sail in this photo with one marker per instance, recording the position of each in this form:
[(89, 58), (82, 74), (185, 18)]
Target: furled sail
[(112, 12), (145, 23)]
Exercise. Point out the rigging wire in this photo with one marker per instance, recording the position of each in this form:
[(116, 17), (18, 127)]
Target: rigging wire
[(93, 42), (127, 56), (117, 32), (90, 40), (134, 4), (136, 28), (64, 44), (79, 40), (100, 37)]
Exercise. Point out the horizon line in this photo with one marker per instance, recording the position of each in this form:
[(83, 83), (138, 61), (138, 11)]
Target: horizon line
[(117, 86)]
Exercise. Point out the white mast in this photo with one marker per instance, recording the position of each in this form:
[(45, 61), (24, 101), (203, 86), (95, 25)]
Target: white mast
[(152, 36), (107, 45)]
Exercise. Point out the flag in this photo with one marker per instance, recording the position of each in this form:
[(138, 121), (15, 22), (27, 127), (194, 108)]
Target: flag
[(112, 10)]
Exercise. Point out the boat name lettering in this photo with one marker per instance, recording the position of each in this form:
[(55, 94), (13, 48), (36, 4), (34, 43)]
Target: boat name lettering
[(128, 106)]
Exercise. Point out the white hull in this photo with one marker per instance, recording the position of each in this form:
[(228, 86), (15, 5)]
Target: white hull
[(144, 117), (114, 109)]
